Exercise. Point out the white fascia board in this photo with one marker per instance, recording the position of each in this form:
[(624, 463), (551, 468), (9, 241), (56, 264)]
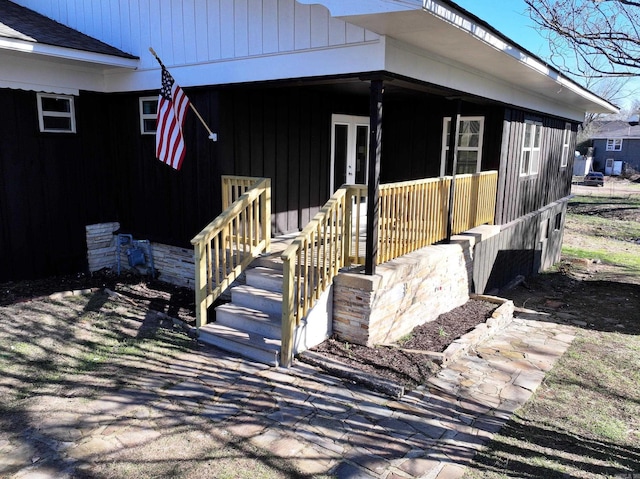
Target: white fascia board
[(43, 74), (444, 11), (441, 30), (415, 63), (348, 59), (67, 53), (341, 8)]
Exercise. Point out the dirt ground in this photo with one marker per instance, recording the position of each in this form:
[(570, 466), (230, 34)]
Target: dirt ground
[(80, 348), (402, 367)]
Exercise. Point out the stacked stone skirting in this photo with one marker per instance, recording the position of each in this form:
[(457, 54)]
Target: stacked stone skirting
[(173, 264), (405, 292)]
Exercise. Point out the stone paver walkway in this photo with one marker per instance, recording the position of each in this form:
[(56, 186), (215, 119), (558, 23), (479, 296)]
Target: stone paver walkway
[(322, 424)]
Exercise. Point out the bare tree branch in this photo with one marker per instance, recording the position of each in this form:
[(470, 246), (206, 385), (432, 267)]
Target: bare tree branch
[(599, 37)]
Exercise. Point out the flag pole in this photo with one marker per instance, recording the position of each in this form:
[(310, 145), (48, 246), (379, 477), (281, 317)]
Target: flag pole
[(212, 135)]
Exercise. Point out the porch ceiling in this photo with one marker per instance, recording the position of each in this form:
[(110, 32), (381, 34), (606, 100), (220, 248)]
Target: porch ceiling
[(448, 32)]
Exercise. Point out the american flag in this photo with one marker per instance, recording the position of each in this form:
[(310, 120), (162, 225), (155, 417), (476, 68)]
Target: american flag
[(172, 107)]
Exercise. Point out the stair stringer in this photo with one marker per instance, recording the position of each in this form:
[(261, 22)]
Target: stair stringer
[(317, 326)]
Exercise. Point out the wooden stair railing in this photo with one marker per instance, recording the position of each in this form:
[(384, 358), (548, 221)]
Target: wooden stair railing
[(227, 245), (315, 257)]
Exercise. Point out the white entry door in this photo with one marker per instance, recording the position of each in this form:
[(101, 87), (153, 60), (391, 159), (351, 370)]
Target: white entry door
[(349, 150)]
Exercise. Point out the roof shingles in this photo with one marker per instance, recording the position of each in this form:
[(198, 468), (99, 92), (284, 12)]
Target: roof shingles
[(20, 23)]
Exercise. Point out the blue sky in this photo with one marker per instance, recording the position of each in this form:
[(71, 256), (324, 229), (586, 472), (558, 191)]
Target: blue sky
[(510, 18)]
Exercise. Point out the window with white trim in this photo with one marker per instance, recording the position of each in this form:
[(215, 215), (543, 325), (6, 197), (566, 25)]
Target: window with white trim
[(566, 143), (56, 113), (530, 156), (469, 147), (148, 115), (614, 144)]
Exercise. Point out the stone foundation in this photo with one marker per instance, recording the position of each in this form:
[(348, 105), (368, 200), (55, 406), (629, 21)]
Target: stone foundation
[(172, 264), (403, 294)]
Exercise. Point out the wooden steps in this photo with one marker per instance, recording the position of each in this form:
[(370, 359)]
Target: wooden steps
[(251, 324)]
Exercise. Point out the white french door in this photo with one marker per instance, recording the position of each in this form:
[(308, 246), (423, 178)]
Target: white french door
[(349, 150)]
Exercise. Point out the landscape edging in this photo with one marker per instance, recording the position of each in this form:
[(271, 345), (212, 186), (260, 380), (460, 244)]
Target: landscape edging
[(500, 318)]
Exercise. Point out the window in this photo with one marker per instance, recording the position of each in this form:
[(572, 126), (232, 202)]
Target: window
[(148, 113), (558, 222), (566, 142), (56, 113), (530, 159), (469, 147), (614, 144)]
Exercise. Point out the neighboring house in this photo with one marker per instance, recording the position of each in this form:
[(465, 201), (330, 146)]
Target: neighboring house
[(291, 88), (616, 145)]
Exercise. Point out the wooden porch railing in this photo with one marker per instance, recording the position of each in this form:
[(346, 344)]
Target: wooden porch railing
[(227, 245), (413, 214), (475, 200)]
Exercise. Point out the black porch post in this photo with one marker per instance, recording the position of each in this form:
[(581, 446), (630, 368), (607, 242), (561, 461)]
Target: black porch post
[(375, 153), (452, 158)]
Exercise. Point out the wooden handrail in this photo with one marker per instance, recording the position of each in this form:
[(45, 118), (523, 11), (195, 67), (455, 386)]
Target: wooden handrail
[(312, 261), (227, 245)]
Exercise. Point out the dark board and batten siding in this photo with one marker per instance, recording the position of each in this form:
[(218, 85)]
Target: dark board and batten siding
[(284, 134), (53, 185), (155, 201), (525, 246), (520, 195)]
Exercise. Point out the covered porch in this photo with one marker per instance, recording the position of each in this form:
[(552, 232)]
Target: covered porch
[(407, 217)]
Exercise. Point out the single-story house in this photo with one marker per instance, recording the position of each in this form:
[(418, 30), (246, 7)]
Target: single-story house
[(434, 112)]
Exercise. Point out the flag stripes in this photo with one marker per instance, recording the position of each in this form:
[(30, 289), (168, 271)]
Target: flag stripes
[(172, 108)]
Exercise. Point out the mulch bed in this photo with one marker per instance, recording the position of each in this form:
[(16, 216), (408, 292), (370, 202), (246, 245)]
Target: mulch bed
[(407, 368)]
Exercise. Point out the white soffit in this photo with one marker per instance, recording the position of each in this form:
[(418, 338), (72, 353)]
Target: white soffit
[(25, 71), (436, 27), (53, 52)]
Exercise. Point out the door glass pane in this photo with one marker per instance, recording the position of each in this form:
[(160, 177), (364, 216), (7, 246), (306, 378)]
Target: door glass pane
[(524, 166), (447, 133), (362, 152), (340, 133), (536, 142)]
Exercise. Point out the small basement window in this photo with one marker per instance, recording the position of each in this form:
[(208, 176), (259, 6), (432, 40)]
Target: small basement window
[(56, 113), (148, 114)]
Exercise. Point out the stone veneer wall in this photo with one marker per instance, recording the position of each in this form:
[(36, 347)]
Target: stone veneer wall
[(405, 292), (173, 265)]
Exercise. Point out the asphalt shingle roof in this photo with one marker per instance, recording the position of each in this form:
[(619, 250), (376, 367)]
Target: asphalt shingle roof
[(615, 129), (20, 23)]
